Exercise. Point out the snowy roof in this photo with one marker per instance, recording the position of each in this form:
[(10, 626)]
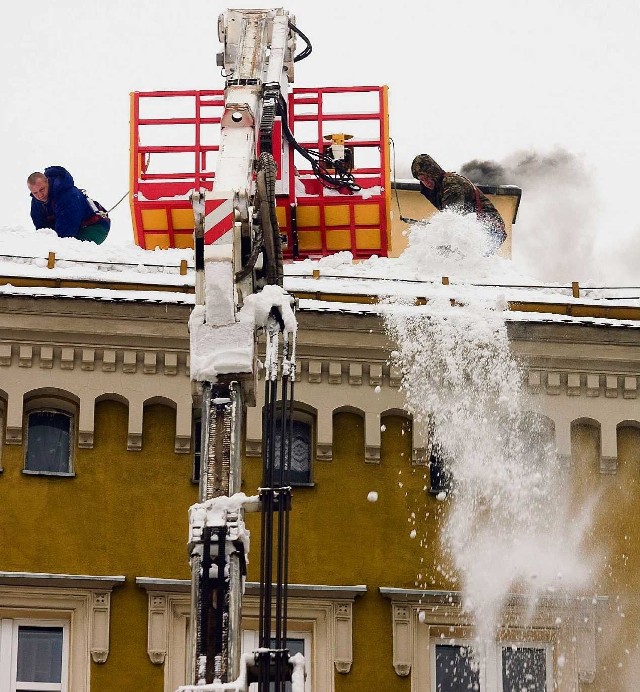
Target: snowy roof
[(449, 260)]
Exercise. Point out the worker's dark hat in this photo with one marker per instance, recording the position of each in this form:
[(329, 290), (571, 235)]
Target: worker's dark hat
[(423, 164)]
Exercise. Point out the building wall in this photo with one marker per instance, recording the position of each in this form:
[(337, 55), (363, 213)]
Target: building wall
[(124, 511)]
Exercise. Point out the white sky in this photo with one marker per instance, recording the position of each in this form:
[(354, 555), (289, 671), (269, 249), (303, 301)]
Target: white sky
[(467, 80)]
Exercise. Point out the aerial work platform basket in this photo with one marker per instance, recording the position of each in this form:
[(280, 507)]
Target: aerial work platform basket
[(175, 138)]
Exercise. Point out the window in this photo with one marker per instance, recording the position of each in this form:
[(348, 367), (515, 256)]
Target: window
[(197, 449), (524, 669), (49, 442), (297, 642), (456, 669), (518, 667), (34, 655), (439, 473), (300, 470)]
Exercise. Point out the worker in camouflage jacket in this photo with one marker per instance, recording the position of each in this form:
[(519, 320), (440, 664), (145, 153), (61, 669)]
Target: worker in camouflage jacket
[(58, 204), (454, 191)]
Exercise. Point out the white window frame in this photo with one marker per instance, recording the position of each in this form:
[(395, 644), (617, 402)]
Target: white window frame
[(9, 628), (82, 601), (251, 642)]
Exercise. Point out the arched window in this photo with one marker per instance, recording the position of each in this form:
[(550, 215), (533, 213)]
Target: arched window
[(48, 441), (301, 446), (50, 422)]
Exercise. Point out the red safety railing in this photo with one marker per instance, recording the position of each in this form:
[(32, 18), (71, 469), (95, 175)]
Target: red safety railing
[(175, 139)]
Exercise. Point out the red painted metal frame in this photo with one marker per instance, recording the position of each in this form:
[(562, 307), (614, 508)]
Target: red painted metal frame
[(168, 190)]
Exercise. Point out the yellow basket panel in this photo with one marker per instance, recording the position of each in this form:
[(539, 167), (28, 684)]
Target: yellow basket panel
[(183, 241), (154, 240), (368, 238), (308, 216), (336, 216), (338, 240), (310, 240), (154, 220), (367, 215), (281, 215), (182, 219)]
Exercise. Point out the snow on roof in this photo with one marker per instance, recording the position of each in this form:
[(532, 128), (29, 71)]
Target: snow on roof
[(448, 246)]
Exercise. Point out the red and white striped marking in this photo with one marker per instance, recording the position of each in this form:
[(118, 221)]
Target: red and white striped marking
[(218, 219)]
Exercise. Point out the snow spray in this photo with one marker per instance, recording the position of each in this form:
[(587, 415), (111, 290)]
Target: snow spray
[(508, 528)]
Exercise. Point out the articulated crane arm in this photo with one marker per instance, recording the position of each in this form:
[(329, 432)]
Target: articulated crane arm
[(238, 294)]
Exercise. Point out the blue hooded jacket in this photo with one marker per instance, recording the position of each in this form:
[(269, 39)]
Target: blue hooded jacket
[(66, 207)]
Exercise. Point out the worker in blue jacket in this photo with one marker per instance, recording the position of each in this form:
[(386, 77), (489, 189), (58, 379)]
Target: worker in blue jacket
[(58, 204)]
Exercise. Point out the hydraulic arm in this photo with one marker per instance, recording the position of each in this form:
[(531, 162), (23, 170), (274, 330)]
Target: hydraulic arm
[(238, 296)]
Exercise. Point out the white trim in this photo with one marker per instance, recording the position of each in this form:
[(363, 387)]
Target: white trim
[(63, 685), (324, 611), (80, 581), (9, 629), (421, 617), (86, 609)]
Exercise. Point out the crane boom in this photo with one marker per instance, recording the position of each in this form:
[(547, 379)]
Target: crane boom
[(235, 225)]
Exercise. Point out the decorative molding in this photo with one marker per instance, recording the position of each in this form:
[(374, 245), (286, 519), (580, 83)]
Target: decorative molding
[(88, 361), (75, 581), (553, 383), (67, 358), (573, 384), (593, 385), (630, 387), (13, 435), (46, 357), (335, 372), (395, 376), (108, 361), (402, 639), (25, 357), (253, 448), (315, 371), (324, 451), (100, 618), (5, 354), (170, 363), (372, 454), (611, 386), (85, 439), (585, 638), (150, 363), (343, 643), (129, 361), (355, 373), (419, 456), (182, 444), (375, 374), (535, 380), (157, 627), (134, 442), (87, 595)]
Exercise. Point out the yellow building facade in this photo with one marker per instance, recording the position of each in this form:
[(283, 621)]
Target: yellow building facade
[(98, 471)]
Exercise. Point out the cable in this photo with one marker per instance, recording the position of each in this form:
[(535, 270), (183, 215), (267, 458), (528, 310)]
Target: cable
[(320, 162), (402, 218), (306, 51), (118, 202)]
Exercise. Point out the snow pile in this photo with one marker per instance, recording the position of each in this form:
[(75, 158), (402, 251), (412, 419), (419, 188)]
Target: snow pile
[(221, 349), (25, 253), (508, 526)]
